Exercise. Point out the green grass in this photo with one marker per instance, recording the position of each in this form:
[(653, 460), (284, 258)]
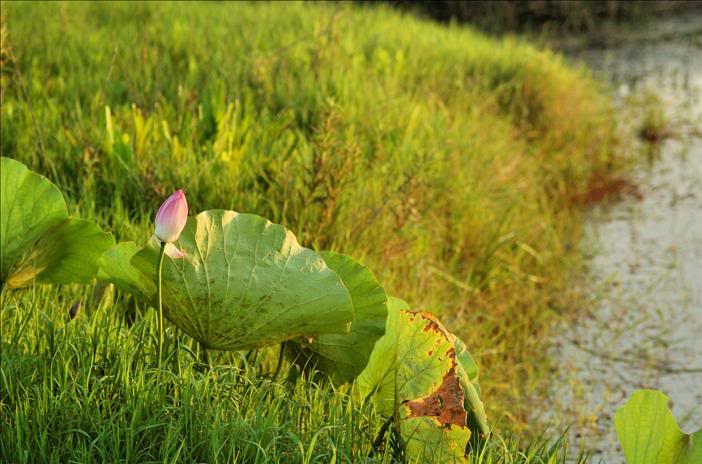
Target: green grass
[(88, 390), (445, 161)]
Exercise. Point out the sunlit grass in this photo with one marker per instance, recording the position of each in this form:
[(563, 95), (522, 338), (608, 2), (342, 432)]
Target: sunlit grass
[(89, 390), (444, 160)]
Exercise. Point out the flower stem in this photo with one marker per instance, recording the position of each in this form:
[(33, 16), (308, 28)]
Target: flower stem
[(160, 303), (281, 355), (205, 358)]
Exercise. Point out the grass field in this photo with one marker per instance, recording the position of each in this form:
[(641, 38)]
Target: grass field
[(447, 162)]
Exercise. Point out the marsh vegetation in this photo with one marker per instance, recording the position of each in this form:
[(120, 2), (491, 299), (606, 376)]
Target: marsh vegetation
[(451, 165)]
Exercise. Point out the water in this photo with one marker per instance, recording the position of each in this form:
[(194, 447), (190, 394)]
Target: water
[(643, 328)]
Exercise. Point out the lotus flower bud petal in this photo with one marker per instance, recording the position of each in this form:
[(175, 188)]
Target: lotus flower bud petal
[(171, 217), (171, 250)]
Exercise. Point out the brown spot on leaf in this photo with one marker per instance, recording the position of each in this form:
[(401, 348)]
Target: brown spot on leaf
[(445, 404), (432, 326)]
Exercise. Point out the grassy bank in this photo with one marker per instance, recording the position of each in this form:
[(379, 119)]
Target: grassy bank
[(445, 161)]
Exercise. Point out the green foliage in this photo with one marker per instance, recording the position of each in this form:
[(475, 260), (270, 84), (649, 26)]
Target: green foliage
[(649, 434), (377, 380), (116, 267), (245, 283), (416, 376), (429, 400), (444, 160), (343, 356), (38, 240), (88, 391)]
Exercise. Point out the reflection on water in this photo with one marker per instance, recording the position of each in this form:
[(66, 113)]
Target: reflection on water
[(644, 326)]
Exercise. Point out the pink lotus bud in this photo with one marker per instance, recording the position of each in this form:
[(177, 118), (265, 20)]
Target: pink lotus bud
[(171, 217)]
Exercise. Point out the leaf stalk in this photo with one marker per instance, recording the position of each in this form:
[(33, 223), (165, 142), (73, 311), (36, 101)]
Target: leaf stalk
[(160, 303)]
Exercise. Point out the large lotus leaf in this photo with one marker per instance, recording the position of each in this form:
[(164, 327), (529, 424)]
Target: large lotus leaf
[(116, 268), (38, 240), (344, 356), (246, 282), (648, 433)]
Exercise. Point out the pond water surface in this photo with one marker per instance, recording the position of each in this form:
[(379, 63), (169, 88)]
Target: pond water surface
[(643, 328)]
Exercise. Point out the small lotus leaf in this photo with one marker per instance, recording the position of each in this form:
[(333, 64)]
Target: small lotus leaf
[(245, 283), (468, 375), (38, 240), (433, 420), (649, 434), (418, 376), (344, 356), (693, 451)]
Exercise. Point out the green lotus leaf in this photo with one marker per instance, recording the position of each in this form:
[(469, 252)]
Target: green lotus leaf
[(693, 451), (344, 356), (648, 433), (245, 283), (116, 268), (468, 375), (432, 417), (417, 375), (377, 380), (38, 240)]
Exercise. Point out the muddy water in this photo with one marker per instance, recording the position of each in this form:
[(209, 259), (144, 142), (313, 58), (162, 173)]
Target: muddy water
[(643, 328)]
